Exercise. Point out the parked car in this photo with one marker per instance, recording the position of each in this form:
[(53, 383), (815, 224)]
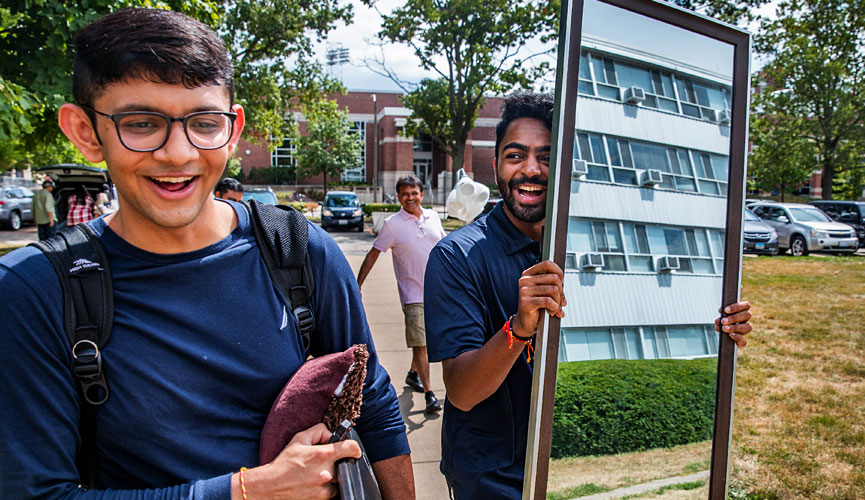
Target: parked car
[(341, 209), (15, 206), (263, 195), (758, 236), (851, 213), (804, 228), (67, 177)]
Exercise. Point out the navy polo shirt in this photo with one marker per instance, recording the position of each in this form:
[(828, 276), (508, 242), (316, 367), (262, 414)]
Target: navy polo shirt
[(471, 289)]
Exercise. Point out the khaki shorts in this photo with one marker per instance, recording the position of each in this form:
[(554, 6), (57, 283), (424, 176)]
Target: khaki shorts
[(414, 326)]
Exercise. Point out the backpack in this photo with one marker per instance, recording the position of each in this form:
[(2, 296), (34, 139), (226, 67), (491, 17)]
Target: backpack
[(88, 300)]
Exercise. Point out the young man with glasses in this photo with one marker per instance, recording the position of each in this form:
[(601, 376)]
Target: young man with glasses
[(193, 366)]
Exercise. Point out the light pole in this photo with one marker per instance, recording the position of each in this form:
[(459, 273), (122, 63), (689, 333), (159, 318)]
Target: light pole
[(375, 149)]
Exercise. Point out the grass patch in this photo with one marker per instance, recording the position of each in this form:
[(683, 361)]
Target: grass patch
[(579, 491), (627, 469), (799, 421), (686, 486)]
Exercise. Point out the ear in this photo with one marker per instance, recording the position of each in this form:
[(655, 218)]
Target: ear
[(239, 122), (495, 167), (78, 128)]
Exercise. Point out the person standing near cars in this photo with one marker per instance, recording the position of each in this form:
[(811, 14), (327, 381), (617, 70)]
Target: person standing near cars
[(229, 189), (43, 210), (411, 233)]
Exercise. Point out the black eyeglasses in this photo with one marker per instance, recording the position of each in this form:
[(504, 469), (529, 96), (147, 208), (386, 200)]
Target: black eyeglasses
[(144, 131)]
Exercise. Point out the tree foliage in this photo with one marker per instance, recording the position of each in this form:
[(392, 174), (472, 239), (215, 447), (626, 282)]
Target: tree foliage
[(269, 41), (814, 85), (731, 11), (476, 48), (328, 147)]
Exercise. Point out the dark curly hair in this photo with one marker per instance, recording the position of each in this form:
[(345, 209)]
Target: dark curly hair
[(522, 104)]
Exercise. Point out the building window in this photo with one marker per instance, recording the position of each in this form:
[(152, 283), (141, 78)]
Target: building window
[(283, 155), (699, 250), (639, 342), (604, 77), (422, 142), (357, 174), (619, 159)]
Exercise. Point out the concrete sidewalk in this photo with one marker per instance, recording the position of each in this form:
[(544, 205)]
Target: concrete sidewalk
[(384, 314)]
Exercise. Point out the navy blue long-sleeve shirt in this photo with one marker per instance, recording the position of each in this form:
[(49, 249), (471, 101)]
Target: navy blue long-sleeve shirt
[(201, 346)]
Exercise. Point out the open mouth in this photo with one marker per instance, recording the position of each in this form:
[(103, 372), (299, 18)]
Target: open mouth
[(172, 184), (530, 193)]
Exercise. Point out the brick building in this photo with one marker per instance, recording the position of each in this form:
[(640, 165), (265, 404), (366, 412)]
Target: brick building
[(396, 155)]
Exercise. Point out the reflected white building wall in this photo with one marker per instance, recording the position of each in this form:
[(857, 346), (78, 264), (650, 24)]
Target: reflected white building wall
[(624, 301)]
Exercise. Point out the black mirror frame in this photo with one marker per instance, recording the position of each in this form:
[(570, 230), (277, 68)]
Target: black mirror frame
[(544, 381)]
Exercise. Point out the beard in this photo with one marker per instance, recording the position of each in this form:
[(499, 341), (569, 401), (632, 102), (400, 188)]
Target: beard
[(525, 213)]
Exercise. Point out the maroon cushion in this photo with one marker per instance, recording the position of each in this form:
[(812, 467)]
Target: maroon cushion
[(308, 398)]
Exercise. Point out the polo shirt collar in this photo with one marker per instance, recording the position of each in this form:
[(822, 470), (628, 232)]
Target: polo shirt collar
[(407, 216), (512, 239)]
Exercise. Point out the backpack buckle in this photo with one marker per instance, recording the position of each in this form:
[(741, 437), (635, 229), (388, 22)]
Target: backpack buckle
[(305, 320), (88, 369)]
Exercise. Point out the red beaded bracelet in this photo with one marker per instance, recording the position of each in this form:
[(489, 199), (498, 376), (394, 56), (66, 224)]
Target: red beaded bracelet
[(512, 337)]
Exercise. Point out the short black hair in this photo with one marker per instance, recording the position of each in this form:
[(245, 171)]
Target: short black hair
[(228, 184), (408, 181), (151, 44), (522, 104)]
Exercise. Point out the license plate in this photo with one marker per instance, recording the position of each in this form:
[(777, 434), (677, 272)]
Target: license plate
[(343, 222), (843, 244), (759, 246)]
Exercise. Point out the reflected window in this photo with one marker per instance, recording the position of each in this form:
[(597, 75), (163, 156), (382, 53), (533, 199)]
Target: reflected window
[(638, 342)]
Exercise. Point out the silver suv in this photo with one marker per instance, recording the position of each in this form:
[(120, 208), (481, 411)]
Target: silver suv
[(804, 228), (15, 206)]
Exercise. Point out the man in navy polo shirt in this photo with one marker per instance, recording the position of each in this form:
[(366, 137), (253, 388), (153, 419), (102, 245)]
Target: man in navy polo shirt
[(486, 289)]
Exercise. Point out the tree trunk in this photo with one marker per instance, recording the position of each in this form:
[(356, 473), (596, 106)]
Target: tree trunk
[(324, 172), (828, 177)]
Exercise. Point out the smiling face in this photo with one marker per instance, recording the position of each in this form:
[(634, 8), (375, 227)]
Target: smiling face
[(410, 197), (522, 168), (171, 187)]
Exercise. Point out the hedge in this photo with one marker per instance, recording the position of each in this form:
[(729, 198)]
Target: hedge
[(617, 406), (369, 208)]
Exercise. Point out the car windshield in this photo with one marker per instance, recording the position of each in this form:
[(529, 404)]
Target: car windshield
[(801, 214), (344, 201), (749, 215), (262, 196)]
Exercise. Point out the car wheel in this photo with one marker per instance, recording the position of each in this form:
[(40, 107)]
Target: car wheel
[(798, 247), (14, 221)]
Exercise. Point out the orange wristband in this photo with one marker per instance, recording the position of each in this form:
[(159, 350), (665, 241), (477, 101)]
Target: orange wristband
[(512, 337)]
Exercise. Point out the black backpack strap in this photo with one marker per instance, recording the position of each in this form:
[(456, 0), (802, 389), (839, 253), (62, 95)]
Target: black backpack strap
[(88, 313), (281, 233)]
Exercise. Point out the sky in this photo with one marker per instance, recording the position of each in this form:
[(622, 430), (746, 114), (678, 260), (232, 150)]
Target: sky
[(359, 38)]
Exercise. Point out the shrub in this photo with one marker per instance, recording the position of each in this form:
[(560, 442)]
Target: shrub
[(369, 208), (617, 406)]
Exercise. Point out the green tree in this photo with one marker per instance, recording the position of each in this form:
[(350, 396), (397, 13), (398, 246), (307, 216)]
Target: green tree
[(263, 38), (780, 158), (327, 148), (815, 81), (476, 48)]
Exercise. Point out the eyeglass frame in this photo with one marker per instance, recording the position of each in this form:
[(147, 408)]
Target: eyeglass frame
[(116, 117)]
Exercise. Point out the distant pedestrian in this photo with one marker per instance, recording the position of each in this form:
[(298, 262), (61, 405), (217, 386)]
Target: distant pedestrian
[(412, 233), (102, 205), (43, 211), (229, 189), (80, 207)]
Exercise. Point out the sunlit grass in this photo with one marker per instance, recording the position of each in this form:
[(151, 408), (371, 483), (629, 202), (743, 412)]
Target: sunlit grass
[(799, 429)]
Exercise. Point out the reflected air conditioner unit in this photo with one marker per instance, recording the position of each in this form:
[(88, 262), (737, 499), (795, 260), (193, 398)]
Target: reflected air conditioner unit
[(634, 95), (651, 177), (591, 261), (580, 168), (570, 260), (709, 114), (724, 117), (668, 264)]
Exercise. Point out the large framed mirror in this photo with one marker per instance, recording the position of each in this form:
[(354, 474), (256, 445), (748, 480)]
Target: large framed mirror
[(644, 216)]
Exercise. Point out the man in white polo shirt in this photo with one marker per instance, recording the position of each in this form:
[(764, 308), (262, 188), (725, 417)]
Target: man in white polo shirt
[(411, 233)]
